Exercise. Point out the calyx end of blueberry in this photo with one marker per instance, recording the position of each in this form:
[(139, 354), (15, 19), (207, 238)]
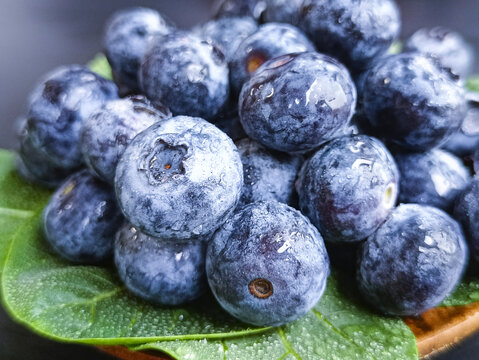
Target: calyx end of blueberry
[(261, 288)]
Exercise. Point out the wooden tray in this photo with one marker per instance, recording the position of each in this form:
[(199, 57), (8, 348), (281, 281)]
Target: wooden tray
[(435, 330)]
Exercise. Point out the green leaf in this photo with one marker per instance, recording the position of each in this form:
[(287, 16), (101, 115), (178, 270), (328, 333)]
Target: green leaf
[(87, 304), (472, 83), (395, 48), (101, 66)]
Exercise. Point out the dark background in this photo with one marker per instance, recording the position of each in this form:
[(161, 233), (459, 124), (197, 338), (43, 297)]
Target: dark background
[(38, 35)]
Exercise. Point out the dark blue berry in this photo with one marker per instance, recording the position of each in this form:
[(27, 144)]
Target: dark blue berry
[(163, 272), (432, 178), (411, 102), (252, 8), (81, 219), (464, 142), (35, 166), (353, 31), (267, 265), (271, 40), (227, 33), (448, 46), (58, 108), (413, 262), (466, 211), (179, 179), (227, 120), (296, 102), (348, 188), (107, 132), (283, 11), (268, 174), (126, 39), (187, 74)]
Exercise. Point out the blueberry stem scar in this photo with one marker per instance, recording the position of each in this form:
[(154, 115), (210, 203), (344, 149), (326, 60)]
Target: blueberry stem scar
[(261, 288)]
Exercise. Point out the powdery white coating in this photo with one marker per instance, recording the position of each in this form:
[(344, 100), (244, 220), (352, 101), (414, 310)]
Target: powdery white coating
[(228, 32), (432, 178), (253, 8), (464, 142), (413, 262), (268, 174), (179, 179), (186, 73), (353, 31), (81, 219), (271, 241), (126, 39), (413, 103), (448, 46), (269, 41), (58, 107), (107, 132), (163, 272), (466, 211), (348, 188), (296, 102)]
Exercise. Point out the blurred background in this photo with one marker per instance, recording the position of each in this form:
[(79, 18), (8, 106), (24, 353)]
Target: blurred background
[(39, 35)]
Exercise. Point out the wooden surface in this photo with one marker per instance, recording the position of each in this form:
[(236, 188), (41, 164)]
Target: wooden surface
[(435, 330)]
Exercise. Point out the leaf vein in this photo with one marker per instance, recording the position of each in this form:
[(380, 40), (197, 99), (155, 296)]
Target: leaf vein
[(287, 345)]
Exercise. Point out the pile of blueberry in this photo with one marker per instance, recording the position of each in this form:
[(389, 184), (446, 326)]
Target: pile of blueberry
[(331, 131)]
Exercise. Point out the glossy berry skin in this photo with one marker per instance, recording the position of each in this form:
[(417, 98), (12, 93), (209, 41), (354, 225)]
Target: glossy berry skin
[(58, 107), (283, 11), (464, 142), (432, 178), (162, 272), (267, 265), (466, 211), (268, 174), (413, 262), (348, 188), (179, 179), (412, 103), (252, 8), (187, 74), (446, 45), (270, 41), (107, 132), (81, 219), (126, 39), (353, 31), (296, 102), (227, 33)]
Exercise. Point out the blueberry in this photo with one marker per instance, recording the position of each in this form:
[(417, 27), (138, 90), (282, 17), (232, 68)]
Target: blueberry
[(126, 39), (267, 174), (296, 102), (35, 166), (414, 260), (476, 162), (179, 179), (187, 74), (348, 188), (466, 211), (271, 40), (107, 132), (432, 178), (228, 32), (267, 265), (411, 102), (465, 141), (163, 272), (58, 108), (81, 219), (353, 31), (283, 11), (252, 8), (448, 46)]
